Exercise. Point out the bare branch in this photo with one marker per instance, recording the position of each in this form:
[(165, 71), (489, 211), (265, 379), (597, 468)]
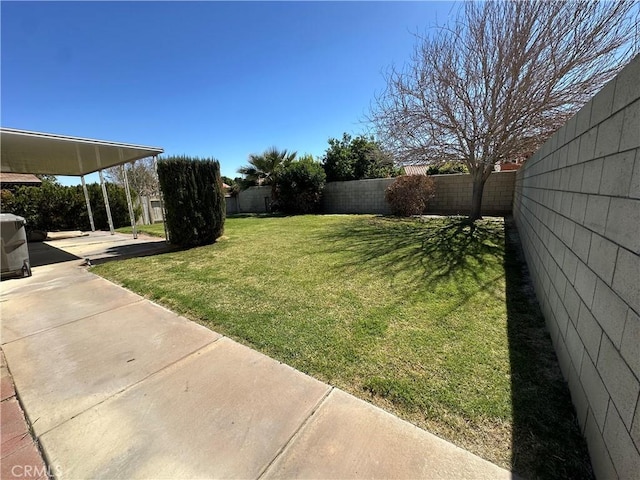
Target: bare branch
[(495, 83), (141, 176)]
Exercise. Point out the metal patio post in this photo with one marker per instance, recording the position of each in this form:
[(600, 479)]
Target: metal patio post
[(106, 202), (86, 198), (128, 193)]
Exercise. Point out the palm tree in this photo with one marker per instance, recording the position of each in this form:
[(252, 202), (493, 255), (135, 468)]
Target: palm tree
[(263, 168)]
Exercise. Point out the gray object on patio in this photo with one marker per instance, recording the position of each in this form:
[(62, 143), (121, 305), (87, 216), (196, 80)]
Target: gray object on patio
[(14, 251)]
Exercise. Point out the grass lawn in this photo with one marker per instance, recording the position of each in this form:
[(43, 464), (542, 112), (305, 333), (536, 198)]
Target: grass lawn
[(155, 230), (426, 319)]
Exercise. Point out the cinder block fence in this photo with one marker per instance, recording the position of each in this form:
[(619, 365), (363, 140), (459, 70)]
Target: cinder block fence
[(359, 196), (577, 209), (452, 196)]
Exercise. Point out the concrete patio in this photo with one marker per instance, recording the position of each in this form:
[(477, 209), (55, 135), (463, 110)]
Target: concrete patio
[(115, 386)]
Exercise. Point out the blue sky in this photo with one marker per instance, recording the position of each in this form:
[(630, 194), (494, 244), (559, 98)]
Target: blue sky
[(208, 79)]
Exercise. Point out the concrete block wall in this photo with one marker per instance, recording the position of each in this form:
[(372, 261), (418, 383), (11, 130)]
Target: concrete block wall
[(577, 209), (453, 194), (358, 196), (231, 204), (252, 200)]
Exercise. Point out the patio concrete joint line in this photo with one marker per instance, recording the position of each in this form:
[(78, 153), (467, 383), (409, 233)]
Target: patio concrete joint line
[(295, 434), (44, 330), (133, 385)]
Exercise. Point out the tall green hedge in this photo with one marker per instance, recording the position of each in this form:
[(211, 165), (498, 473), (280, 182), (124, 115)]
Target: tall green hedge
[(193, 200), (54, 207)]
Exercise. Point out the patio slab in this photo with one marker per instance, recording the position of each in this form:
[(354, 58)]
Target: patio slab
[(43, 253), (44, 278), (65, 370), (224, 412), (349, 438), (103, 245), (56, 304)]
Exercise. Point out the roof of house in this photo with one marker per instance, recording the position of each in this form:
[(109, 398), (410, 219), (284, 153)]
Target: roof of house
[(19, 179), (506, 166), (415, 169)]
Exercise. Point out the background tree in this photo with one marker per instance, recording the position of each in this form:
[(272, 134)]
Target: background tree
[(447, 168), (299, 186), (228, 180), (233, 185), (356, 158), (47, 178), (495, 83), (263, 168), (141, 175)]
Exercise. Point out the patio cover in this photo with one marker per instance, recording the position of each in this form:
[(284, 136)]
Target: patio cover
[(22, 151)]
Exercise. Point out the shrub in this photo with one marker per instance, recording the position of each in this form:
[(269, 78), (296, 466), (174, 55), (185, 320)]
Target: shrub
[(53, 207), (447, 168), (409, 194), (117, 204), (299, 186), (193, 200)]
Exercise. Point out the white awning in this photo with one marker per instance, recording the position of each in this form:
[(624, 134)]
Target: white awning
[(23, 151)]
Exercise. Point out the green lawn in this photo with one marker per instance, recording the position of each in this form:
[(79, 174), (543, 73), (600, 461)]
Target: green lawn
[(427, 319), (155, 230)]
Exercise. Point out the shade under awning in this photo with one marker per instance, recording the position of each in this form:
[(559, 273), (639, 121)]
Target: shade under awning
[(23, 151)]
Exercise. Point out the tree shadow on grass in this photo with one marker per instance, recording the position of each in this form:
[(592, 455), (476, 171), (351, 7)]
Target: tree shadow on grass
[(546, 438), (431, 250), (448, 256)]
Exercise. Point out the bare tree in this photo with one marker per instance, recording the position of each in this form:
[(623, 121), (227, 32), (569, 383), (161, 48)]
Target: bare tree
[(497, 81), (141, 175)]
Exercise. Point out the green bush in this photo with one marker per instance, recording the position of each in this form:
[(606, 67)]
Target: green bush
[(447, 168), (117, 204), (357, 158), (409, 194), (54, 207), (299, 186), (193, 200)]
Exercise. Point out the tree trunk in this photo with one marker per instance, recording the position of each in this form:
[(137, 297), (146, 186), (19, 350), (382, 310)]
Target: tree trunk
[(479, 179), (274, 194)]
